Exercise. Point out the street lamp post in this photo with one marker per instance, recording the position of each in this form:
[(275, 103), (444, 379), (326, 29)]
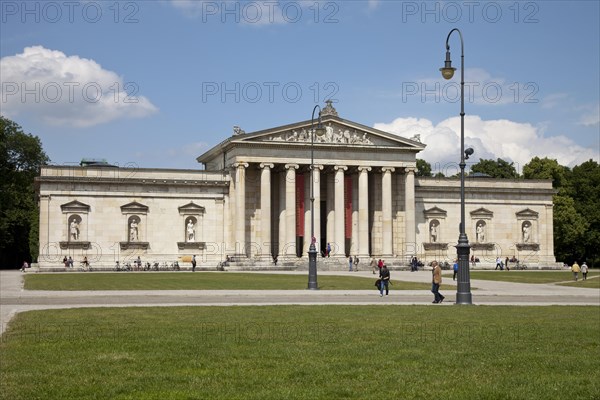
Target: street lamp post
[(463, 293), (312, 250)]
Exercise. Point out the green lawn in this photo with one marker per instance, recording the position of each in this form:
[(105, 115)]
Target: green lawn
[(529, 276), (201, 281), (303, 352)]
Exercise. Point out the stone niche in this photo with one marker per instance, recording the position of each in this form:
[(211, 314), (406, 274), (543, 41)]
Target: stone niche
[(135, 229), (481, 230), (191, 215), (527, 225), (434, 219), (76, 221)]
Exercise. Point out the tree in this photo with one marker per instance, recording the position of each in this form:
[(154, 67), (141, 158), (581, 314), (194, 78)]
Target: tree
[(21, 156), (496, 169), (423, 168), (569, 230), (546, 168), (584, 187)]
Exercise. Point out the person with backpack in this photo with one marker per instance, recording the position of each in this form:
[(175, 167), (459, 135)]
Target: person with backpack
[(384, 276)]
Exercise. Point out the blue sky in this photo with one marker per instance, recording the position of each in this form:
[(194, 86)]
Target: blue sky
[(157, 83)]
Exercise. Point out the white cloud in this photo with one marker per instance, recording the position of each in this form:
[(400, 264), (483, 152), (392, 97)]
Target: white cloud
[(511, 141), (67, 90), (590, 116)]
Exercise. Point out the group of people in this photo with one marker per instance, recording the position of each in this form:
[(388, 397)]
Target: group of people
[(576, 269), (436, 280)]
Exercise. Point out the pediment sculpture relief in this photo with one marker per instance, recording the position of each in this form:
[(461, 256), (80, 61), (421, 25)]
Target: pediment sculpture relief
[(332, 135)]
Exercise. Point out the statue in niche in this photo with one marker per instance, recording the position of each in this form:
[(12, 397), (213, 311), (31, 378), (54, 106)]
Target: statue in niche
[(433, 232), (480, 232), (74, 229), (133, 231), (191, 233), (526, 232)]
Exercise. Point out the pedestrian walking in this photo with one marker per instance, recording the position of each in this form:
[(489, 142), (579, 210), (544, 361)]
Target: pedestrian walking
[(584, 271), (350, 262), (356, 260), (436, 281), (576, 269), (194, 263), (373, 265), (455, 268), (384, 276)]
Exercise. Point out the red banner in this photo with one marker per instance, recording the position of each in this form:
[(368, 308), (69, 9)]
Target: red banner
[(348, 206), (300, 205)]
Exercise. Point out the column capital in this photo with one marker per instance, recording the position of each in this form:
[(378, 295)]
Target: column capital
[(364, 169), (317, 166), (290, 166), (240, 165), (340, 167), (387, 169), (267, 165), (410, 170)]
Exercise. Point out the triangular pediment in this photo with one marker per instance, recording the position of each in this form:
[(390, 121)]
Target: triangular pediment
[(191, 209), (338, 132), (435, 212), (134, 208), (527, 213), (75, 207), (482, 213)]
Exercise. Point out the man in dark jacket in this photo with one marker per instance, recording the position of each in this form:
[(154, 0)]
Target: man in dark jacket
[(384, 276)]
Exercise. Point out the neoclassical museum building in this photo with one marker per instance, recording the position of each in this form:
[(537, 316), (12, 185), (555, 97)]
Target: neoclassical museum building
[(251, 201)]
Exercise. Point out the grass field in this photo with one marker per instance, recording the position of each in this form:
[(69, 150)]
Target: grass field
[(534, 277), (202, 281), (303, 352)]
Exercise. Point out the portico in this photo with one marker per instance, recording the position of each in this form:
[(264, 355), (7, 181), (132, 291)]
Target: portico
[(357, 171)]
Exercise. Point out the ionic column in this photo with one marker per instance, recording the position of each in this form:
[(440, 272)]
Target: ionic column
[(410, 245), (265, 209), (386, 208), (240, 207), (339, 236), (290, 209), (363, 212)]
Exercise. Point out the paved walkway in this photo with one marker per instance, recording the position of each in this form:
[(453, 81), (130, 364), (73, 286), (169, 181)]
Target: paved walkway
[(14, 299)]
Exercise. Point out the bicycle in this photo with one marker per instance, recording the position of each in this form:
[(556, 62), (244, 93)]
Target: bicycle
[(521, 266)]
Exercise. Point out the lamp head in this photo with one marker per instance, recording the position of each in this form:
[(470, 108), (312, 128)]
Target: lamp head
[(320, 129), (447, 71), (469, 152)]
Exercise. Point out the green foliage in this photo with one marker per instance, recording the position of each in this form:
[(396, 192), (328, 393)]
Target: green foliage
[(499, 169), (21, 155), (545, 168), (570, 228), (423, 168)]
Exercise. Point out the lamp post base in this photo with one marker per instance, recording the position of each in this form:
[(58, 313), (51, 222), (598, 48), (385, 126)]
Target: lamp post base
[(312, 268), (463, 292)]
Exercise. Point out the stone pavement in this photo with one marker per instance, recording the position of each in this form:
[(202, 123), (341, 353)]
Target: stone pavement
[(14, 299)]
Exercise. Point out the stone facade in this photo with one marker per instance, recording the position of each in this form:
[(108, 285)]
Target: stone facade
[(252, 202)]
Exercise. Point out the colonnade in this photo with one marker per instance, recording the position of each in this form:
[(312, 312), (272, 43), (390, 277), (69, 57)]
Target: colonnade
[(337, 200)]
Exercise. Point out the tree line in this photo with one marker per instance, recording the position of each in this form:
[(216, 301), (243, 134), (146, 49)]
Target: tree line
[(576, 202)]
